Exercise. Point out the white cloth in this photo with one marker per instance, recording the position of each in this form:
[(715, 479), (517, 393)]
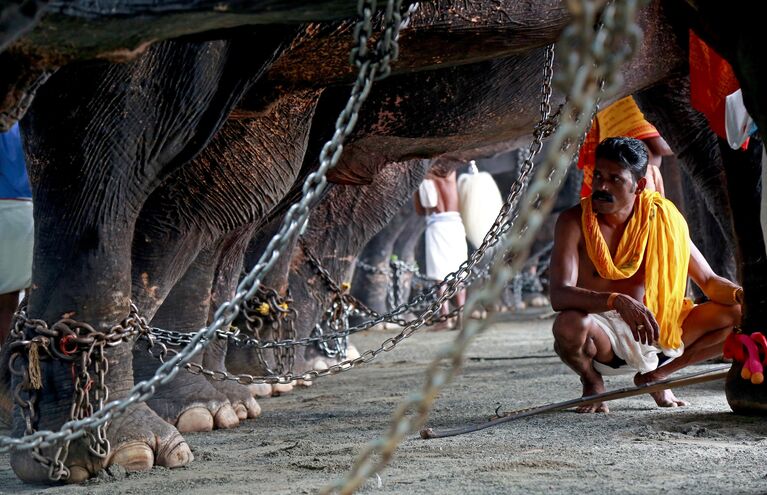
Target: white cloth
[(639, 357), (427, 194), (480, 202), (16, 243), (445, 241), (738, 124)]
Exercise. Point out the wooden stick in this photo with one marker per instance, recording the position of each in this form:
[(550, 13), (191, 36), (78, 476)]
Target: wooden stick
[(691, 379), (513, 358)]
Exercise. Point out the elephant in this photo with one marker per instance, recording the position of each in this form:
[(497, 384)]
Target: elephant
[(66, 138), (134, 156), (373, 272)]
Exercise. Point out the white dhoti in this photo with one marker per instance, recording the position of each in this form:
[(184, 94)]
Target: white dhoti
[(638, 357), (445, 240), (16, 243)]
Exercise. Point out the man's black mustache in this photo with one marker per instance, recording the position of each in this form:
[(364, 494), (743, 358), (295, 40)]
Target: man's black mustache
[(602, 196)]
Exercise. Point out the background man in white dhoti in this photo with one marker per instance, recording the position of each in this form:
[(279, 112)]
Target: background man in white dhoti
[(445, 236), (16, 227)]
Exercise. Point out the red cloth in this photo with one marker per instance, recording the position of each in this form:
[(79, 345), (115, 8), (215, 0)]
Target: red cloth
[(711, 80)]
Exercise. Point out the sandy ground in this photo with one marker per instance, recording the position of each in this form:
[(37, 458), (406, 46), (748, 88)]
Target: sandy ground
[(311, 436)]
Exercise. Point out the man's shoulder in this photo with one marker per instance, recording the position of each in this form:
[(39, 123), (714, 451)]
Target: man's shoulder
[(570, 216)]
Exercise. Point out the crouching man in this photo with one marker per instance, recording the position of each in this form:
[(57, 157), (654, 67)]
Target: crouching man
[(618, 277)]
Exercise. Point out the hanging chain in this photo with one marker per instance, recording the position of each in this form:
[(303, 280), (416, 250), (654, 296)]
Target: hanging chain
[(373, 64), (595, 56)]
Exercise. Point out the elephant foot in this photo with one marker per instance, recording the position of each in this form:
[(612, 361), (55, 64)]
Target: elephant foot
[(352, 352), (536, 300), (189, 401), (478, 314), (743, 396), (241, 398), (282, 388), (260, 389), (192, 404), (139, 440), (317, 364), (315, 361)]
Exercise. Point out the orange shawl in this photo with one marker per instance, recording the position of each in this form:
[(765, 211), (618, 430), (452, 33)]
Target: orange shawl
[(657, 233)]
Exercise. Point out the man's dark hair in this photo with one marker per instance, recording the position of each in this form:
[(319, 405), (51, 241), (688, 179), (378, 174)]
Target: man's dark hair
[(626, 151)]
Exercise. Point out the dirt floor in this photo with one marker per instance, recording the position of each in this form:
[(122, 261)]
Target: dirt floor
[(313, 435)]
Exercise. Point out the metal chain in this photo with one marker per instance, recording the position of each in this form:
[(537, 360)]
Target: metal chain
[(595, 56), (276, 314), (373, 64), (83, 347), (447, 288), (334, 324), (372, 269), (395, 287)]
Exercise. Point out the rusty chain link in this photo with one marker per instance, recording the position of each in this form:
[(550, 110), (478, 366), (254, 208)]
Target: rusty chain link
[(591, 65), (83, 347)]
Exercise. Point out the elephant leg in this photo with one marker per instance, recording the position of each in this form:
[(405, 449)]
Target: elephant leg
[(248, 360), (706, 235), (227, 276), (404, 248), (743, 171), (351, 215), (100, 137), (372, 286), (189, 401), (192, 402), (247, 168)]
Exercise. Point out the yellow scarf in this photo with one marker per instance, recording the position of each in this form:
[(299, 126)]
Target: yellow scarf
[(657, 231)]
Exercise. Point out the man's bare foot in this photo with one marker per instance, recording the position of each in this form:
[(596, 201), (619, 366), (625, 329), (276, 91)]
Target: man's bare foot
[(664, 398), (593, 386)]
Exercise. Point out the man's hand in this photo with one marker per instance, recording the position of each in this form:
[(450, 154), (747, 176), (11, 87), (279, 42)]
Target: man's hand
[(642, 322)]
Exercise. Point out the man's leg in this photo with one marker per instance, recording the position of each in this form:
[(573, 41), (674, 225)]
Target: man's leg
[(703, 334), (579, 341), (8, 304)]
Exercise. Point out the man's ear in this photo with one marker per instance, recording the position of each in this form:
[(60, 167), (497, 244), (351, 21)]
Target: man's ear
[(641, 184)]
